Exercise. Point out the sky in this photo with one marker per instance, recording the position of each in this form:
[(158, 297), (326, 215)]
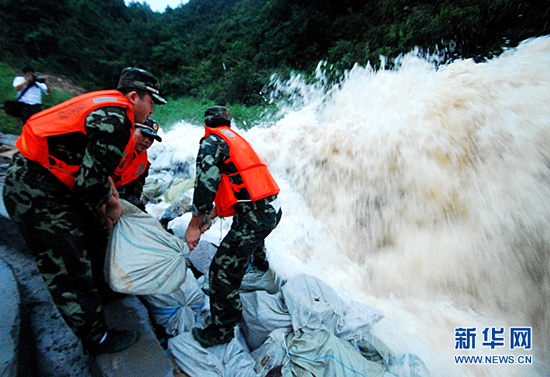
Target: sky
[(159, 5)]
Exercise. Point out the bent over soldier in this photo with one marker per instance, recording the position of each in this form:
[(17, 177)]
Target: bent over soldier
[(129, 177), (60, 195), (234, 177)]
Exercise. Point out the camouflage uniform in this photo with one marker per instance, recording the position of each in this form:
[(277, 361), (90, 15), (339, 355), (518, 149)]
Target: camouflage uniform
[(251, 225), (62, 228), (132, 191)]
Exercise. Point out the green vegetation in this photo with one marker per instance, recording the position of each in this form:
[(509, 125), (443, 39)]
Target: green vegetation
[(8, 124), (224, 52), (191, 110), (187, 108)]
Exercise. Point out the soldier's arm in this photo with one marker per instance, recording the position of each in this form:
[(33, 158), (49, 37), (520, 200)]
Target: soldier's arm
[(213, 151), (108, 131)]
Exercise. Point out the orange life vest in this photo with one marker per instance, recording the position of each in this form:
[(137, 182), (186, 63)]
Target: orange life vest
[(257, 180), (130, 168), (67, 117)]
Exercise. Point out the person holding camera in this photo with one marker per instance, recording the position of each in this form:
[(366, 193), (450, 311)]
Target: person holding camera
[(32, 87)]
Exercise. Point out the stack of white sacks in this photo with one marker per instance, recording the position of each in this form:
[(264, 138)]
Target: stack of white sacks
[(300, 327)]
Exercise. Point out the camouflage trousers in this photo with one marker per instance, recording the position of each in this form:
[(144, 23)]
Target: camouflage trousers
[(244, 240), (67, 239)]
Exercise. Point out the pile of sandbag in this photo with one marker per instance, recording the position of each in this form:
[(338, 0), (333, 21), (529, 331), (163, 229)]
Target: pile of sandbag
[(304, 329), (299, 327)]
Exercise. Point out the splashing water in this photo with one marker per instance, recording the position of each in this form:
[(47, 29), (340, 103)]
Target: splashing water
[(424, 192)]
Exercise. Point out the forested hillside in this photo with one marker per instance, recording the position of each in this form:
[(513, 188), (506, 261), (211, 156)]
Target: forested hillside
[(226, 50)]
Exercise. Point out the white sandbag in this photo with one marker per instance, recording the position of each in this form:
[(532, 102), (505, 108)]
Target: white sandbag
[(358, 320), (182, 310), (398, 363), (152, 188), (314, 305), (156, 184), (217, 232), (186, 318), (322, 354), (272, 353), (164, 160), (253, 280), (202, 255), (408, 365), (165, 178), (262, 314), (142, 258), (225, 360), (257, 280), (178, 187), (157, 210)]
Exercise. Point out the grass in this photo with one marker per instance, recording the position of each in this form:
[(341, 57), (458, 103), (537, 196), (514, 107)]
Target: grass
[(192, 110), (8, 124), (188, 109)]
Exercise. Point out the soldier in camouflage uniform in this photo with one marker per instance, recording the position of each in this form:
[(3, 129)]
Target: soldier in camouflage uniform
[(66, 229), (244, 243), (145, 135)]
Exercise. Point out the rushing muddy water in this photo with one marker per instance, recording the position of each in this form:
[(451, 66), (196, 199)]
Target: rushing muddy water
[(424, 192)]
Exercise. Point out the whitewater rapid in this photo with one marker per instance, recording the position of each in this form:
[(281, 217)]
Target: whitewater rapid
[(423, 191)]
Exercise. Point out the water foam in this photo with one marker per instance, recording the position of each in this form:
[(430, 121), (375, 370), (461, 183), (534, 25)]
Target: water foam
[(424, 192)]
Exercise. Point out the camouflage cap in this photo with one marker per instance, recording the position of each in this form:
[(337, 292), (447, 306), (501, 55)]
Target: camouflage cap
[(136, 78), (150, 127), (217, 116)]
